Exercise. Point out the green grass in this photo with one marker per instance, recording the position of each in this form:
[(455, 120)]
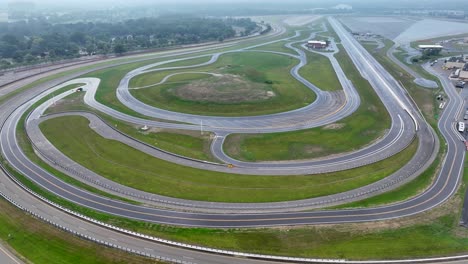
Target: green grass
[(278, 46), (41, 243), (186, 143), (320, 72), (73, 137), (353, 132), (259, 68)]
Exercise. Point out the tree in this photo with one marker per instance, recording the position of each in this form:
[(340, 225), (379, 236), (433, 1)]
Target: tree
[(78, 38), (119, 49), (7, 50)]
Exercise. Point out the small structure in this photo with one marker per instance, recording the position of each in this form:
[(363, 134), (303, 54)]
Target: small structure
[(317, 44)]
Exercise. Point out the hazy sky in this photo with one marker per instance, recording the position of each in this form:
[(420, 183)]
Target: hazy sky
[(94, 4)]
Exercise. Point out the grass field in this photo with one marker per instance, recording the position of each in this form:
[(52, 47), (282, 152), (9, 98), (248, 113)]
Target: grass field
[(41, 243), (278, 46), (361, 128), (320, 72), (268, 70), (74, 138)]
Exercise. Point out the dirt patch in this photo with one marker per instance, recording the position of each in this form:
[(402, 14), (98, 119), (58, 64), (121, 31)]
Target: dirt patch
[(334, 126), (373, 108), (226, 88), (232, 145), (313, 149)]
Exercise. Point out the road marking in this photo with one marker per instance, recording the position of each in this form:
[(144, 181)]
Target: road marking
[(9, 255)]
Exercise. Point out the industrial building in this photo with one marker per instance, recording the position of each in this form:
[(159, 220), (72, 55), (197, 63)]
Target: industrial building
[(317, 44), (455, 63), (464, 73)]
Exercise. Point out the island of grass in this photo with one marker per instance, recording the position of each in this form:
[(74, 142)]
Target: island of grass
[(238, 84), (366, 125), (73, 137), (191, 144)]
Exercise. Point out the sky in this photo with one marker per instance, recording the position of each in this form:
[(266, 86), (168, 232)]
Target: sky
[(95, 4)]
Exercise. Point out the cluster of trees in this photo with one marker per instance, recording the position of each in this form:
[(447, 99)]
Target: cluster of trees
[(38, 40)]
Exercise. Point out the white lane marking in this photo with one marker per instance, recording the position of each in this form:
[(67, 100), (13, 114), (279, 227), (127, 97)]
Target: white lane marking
[(9, 255)]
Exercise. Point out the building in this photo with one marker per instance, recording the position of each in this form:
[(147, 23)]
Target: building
[(430, 47), (317, 44), (455, 63), (464, 73)]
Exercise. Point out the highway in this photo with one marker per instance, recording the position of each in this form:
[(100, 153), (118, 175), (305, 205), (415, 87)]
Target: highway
[(384, 84)]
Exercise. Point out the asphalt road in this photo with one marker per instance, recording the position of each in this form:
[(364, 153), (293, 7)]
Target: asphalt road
[(442, 189), (6, 257)]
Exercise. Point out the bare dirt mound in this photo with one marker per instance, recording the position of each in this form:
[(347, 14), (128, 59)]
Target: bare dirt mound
[(225, 88)]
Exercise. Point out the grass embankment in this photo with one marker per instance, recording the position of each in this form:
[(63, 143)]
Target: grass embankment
[(73, 137), (267, 73), (353, 132), (42, 243)]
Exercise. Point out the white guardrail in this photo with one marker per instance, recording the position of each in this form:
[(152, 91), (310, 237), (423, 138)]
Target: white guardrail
[(188, 246)]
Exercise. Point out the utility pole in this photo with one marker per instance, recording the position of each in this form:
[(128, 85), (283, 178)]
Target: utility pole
[(201, 127)]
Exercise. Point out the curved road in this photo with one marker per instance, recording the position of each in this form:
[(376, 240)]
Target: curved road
[(441, 190)]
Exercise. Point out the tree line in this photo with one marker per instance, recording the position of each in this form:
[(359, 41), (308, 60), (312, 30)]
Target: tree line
[(27, 42)]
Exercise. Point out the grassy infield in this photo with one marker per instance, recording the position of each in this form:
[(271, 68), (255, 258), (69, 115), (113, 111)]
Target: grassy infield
[(353, 132), (437, 235), (255, 67)]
